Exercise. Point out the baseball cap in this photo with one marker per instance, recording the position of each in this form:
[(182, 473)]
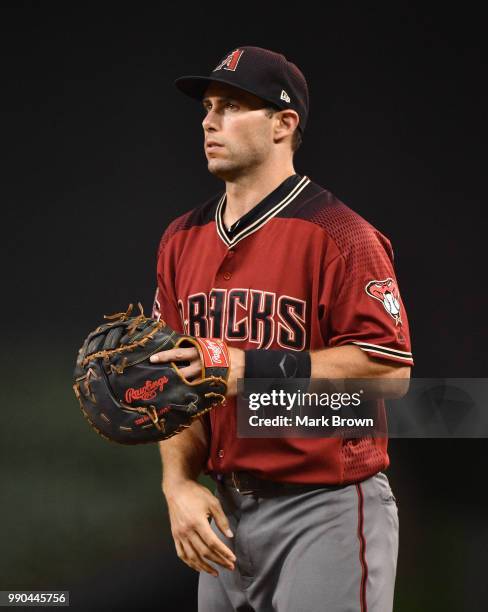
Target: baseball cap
[(262, 72)]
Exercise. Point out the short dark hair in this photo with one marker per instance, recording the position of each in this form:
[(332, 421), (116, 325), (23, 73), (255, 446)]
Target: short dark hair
[(296, 140)]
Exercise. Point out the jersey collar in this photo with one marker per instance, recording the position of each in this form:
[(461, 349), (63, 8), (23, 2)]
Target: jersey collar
[(260, 214)]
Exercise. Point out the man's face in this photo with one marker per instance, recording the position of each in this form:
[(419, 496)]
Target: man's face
[(237, 129)]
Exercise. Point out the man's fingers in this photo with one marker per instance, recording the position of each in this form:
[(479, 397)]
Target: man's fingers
[(192, 371), (191, 355), (175, 354), (206, 552), (214, 544), (193, 559), (179, 549), (220, 519)]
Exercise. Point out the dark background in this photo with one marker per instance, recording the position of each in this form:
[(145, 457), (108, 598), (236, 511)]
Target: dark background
[(101, 152)]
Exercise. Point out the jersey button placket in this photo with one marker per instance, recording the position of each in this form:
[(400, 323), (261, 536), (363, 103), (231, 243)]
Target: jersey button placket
[(227, 275)]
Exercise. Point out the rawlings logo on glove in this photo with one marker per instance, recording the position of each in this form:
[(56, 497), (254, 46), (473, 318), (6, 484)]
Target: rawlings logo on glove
[(147, 392), (130, 400)]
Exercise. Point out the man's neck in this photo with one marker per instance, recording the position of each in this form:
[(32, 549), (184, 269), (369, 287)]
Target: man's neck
[(245, 192)]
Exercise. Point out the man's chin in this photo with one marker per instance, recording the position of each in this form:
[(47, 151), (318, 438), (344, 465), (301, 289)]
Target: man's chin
[(222, 170)]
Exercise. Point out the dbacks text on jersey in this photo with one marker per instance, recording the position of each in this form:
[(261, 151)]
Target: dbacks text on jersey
[(249, 315)]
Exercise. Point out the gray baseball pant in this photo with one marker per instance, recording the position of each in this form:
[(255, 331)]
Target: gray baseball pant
[(323, 550)]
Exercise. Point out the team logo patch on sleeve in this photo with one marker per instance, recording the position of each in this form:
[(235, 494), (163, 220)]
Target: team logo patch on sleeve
[(386, 291)]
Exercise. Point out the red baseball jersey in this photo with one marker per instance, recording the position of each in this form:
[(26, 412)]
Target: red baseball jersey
[(300, 271)]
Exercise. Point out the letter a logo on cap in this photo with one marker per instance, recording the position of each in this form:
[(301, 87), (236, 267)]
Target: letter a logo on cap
[(231, 61)]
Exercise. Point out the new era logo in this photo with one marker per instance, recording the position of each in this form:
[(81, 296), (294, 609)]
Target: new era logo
[(284, 96)]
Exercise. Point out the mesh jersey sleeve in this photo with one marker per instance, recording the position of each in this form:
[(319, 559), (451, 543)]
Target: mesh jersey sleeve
[(360, 297)]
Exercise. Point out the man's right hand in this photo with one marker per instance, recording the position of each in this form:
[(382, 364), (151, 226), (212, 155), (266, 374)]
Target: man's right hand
[(190, 505)]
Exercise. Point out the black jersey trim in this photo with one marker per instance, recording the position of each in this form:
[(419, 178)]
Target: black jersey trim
[(253, 227)]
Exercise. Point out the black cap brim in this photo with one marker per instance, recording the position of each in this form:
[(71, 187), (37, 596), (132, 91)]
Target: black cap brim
[(193, 86), (196, 86)]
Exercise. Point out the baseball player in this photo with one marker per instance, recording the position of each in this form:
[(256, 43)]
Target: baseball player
[(297, 285)]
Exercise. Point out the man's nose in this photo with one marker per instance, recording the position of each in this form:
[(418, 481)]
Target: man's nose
[(210, 121)]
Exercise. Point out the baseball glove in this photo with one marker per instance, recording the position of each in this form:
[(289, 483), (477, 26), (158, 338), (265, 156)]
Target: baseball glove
[(130, 400)]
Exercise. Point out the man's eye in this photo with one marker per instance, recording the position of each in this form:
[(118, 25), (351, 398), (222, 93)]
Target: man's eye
[(230, 105)]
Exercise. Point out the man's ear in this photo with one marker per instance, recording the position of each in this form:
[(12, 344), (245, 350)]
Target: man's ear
[(286, 123)]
